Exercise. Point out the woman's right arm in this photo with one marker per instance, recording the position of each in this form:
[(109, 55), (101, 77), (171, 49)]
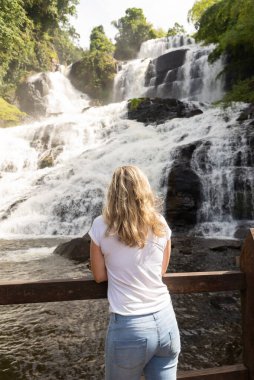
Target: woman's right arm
[(166, 257), (98, 267)]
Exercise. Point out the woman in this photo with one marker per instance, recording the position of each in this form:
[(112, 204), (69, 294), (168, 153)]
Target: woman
[(130, 248)]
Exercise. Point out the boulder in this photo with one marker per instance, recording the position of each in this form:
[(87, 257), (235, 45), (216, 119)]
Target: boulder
[(77, 249), (47, 158), (31, 95), (184, 196), (157, 110), (185, 193), (165, 67)]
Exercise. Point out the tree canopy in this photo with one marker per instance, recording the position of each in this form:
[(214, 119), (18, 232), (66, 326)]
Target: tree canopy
[(99, 41), (176, 30), (32, 33), (198, 9), (133, 29), (229, 24)]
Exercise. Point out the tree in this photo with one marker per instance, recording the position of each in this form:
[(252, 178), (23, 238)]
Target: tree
[(99, 41), (198, 9), (133, 29), (31, 33), (94, 74), (50, 14), (229, 24), (176, 30), (65, 44), (16, 40), (158, 33)]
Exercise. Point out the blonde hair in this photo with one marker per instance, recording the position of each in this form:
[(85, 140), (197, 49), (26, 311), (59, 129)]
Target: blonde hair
[(130, 209)]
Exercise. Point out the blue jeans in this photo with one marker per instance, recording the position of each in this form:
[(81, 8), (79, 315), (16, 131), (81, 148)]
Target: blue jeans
[(142, 344)]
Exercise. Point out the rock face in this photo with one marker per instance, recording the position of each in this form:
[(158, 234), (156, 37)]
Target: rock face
[(184, 195), (165, 70), (31, 95), (156, 110), (77, 249), (159, 67)]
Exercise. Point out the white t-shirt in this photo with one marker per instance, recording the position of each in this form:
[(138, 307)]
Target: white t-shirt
[(134, 274)]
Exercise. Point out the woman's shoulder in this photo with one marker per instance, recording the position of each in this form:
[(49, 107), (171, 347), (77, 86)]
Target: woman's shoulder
[(167, 228), (99, 221), (162, 219)]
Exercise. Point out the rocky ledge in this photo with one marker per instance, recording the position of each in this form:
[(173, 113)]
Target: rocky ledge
[(157, 110)]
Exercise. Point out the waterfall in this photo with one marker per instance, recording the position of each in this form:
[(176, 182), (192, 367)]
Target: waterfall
[(54, 172), (191, 77)]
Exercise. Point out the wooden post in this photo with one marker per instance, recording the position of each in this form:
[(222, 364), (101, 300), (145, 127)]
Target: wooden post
[(247, 298)]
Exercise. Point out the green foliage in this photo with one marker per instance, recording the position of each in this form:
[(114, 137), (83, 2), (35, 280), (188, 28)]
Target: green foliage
[(65, 46), (32, 33), (9, 114), (158, 33), (198, 9), (243, 91), (176, 30), (133, 29), (16, 42), (100, 42), (229, 24), (94, 74), (134, 103), (48, 15)]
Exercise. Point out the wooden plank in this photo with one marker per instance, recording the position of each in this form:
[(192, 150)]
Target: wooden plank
[(199, 282), (247, 298), (232, 372), (19, 292)]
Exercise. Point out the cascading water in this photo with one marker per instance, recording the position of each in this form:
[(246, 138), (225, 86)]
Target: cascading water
[(181, 72), (54, 171), (53, 176)]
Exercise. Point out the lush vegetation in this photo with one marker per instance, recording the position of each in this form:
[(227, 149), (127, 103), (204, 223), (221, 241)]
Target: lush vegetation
[(33, 34), (133, 29), (176, 30), (229, 24), (94, 73), (36, 34), (9, 114)]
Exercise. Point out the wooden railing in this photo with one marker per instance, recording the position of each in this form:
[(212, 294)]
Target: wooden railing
[(20, 292)]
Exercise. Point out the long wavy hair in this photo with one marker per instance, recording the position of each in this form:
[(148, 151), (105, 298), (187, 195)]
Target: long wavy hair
[(131, 208)]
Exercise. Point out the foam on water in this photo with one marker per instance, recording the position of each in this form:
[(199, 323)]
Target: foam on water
[(25, 255)]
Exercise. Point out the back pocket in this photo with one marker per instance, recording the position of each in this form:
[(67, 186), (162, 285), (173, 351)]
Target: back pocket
[(130, 353)]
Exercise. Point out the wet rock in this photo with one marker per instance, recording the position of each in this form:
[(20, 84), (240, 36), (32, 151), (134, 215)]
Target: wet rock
[(243, 229), (197, 254), (77, 249), (157, 110), (12, 208), (31, 95), (184, 194), (222, 302), (47, 158), (247, 113), (158, 68)]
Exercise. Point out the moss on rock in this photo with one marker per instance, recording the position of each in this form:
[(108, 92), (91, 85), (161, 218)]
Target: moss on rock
[(134, 103), (10, 115)]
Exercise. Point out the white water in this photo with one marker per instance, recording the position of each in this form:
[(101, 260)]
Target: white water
[(159, 46), (197, 79), (87, 146)]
